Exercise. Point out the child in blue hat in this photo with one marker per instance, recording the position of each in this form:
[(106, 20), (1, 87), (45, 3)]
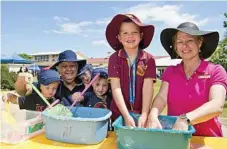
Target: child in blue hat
[(101, 96), (48, 81), (85, 75)]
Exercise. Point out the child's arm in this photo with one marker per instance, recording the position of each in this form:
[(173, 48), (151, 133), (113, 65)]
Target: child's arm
[(119, 100), (148, 90), (77, 97)]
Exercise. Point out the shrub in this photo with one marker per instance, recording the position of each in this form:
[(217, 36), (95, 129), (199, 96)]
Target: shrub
[(7, 78)]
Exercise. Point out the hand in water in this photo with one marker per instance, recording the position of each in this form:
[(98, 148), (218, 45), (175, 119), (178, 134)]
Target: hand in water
[(153, 122), (129, 121), (180, 124), (142, 121)]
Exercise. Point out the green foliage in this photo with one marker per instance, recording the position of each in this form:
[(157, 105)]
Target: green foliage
[(25, 56), (7, 78), (220, 55)]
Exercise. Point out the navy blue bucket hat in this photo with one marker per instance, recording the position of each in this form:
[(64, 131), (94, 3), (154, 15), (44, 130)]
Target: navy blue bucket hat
[(102, 71), (46, 77), (85, 68), (69, 56)]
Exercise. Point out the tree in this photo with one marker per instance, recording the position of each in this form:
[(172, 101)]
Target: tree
[(220, 55), (25, 56)]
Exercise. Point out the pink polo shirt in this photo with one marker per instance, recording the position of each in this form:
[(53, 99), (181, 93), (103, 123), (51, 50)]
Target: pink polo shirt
[(118, 69), (185, 95)]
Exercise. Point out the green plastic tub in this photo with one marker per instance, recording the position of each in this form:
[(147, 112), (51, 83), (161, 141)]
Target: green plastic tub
[(147, 138)]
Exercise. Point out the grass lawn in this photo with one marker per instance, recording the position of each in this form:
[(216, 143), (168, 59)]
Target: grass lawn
[(224, 112)]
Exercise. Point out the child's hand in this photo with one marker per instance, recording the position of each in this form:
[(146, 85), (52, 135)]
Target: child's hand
[(154, 123), (142, 121), (77, 97), (129, 121)]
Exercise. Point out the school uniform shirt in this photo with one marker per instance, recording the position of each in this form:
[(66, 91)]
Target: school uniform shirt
[(64, 94), (185, 95), (118, 69), (91, 100), (33, 102)]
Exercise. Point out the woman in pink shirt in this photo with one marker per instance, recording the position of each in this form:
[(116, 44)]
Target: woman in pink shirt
[(195, 89)]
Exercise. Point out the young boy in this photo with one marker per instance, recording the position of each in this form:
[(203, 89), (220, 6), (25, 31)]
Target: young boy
[(48, 81), (131, 69), (100, 97)]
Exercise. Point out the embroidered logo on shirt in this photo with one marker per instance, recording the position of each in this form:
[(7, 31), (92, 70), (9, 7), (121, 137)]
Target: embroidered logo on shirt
[(205, 76), (141, 70)]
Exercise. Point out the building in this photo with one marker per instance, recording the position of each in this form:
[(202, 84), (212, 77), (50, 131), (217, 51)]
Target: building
[(44, 59)]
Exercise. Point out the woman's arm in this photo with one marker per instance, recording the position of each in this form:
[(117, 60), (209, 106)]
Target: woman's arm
[(210, 109)]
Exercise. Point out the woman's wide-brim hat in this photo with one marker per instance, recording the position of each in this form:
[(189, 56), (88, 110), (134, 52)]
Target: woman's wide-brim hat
[(209, 45), (69, 56), (113, 28)]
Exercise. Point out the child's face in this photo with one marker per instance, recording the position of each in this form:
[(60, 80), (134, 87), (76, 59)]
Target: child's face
[(129, 35), (86, 77), (49, 91), (100, 86)]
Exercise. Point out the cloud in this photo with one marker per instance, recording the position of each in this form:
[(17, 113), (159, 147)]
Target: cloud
[(165, 15), (100, 42), (60, 19), (72, 28), (170, 15)]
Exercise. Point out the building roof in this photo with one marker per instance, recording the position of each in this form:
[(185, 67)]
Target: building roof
[(166, 61), (79, 54)]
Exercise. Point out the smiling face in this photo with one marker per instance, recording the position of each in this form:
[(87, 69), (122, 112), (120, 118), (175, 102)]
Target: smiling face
[(187, 46), (68, 71), (129, 35)]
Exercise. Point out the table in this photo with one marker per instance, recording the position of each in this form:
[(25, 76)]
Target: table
[(40, 142)]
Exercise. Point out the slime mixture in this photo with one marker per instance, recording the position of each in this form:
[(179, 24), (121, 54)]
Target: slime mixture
[(60, 110)]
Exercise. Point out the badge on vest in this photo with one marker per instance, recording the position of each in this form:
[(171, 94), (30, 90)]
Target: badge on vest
[(141, 70), (205, 76)]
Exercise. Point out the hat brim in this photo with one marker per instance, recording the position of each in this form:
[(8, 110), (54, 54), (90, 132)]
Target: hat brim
[(112, 31), (81, 64), (208, 47)]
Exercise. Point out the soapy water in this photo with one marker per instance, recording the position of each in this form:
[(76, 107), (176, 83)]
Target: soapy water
[(166, 124)]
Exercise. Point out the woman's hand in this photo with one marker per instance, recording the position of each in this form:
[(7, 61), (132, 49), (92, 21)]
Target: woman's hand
[(180, 124), (153, 122)]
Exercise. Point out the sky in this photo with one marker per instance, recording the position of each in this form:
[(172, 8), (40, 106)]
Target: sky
[(32, 27)]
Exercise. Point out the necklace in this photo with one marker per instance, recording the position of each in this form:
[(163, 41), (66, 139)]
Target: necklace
[(189, 74)]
